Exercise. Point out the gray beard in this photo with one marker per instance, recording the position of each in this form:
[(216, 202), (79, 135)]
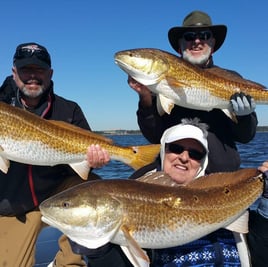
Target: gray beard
[(33, 94), (202, 60)]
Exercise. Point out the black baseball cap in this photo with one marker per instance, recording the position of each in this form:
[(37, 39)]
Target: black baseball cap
[(31, 54)]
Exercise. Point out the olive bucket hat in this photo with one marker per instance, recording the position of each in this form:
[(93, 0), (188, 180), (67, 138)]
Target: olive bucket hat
[(197, 20)]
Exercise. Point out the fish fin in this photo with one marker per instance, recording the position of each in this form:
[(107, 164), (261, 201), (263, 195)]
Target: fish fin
[(175, 83), (143, 155), (159, 107), (158, 177), (81, 168), (72, 127), (4, 163), (242, 248), (165, 104), (133, 251), (136, 262), (230, 115), (240, 225)]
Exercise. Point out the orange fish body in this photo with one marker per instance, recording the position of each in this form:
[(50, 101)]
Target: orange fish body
[(29, 139), (175, 81)]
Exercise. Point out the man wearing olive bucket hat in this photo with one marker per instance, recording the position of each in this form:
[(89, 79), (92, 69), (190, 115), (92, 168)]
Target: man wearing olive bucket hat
[(196, 41), (197, 25)]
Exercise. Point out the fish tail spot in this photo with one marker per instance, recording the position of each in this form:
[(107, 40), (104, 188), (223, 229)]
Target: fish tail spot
[(227, 191), (196, 199)]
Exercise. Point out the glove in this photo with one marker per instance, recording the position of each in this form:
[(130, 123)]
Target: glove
[(265, 189), (95, 253), (242, 104), (107, 255)]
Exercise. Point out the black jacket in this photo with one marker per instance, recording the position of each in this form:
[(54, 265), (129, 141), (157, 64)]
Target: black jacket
[(258, 239), (25, 186)]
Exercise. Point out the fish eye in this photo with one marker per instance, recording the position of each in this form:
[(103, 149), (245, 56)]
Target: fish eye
[(66, 204)]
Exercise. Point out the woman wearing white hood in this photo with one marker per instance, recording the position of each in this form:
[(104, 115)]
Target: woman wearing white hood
[(183, 152)]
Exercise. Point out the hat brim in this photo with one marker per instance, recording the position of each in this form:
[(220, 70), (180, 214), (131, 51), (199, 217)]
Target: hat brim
[(180, 131), (218, 31), (19, 63)]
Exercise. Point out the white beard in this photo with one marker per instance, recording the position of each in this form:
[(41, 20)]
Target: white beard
[(202, 60)]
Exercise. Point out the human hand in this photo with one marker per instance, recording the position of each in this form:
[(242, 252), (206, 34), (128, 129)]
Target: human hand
[(138, 87), (242, 104), (95, 253), (97, 157), (144, 93), (264, 168)]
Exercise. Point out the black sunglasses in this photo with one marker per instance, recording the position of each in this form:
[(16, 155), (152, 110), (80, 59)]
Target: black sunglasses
[(27, 52), (178, 149), (191, 36)]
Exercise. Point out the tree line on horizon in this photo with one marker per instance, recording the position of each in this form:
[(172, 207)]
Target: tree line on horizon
[(136, 132)]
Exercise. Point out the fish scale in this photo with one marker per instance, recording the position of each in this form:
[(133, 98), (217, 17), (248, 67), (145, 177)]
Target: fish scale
[(185, 84), (156, 216), (30, 139)]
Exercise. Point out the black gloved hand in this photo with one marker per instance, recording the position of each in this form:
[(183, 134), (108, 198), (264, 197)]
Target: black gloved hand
[(94, 253), (265, 189), (242, 104)]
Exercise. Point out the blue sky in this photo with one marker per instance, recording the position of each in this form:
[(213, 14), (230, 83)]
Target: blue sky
[(83, 35)]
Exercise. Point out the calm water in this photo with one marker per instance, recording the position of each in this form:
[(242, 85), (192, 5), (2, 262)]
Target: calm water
[(116, 169), (252, 155), (255, 152)]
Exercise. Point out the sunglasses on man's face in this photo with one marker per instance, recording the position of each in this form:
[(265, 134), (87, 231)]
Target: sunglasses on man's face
[(191, 36), (27, 52), (178, 149)]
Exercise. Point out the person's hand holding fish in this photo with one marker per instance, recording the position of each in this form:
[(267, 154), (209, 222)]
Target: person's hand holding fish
[(263, 203), (242, 104), (97, 252), (144, 93), (264, 168), (97, 157)]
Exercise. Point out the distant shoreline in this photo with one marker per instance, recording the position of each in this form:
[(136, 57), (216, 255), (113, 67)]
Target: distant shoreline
[(138, 132), (119, 132), (262, 128)]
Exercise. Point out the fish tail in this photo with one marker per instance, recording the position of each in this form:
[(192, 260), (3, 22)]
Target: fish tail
[(144, 155)]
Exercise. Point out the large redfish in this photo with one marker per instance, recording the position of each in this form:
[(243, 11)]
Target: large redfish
[(136, 214), (29, 139), (176, 81)]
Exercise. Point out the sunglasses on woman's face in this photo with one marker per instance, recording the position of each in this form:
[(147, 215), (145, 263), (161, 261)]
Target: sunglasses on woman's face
[(178, 149), (191, 36)]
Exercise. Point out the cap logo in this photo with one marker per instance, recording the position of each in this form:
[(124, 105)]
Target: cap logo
[(31, 53), (31, 47)]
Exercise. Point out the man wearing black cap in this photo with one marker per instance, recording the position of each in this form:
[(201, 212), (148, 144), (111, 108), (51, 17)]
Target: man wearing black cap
[(24, 187), (196, 41)]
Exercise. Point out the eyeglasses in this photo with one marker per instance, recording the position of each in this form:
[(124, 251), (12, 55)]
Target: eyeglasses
[(191, 36), (178, 149), (27, 52)]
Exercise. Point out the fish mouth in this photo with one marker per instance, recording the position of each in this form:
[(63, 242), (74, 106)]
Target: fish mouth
[(50, 221), (140, 76), (63, 227), (123, 65)]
